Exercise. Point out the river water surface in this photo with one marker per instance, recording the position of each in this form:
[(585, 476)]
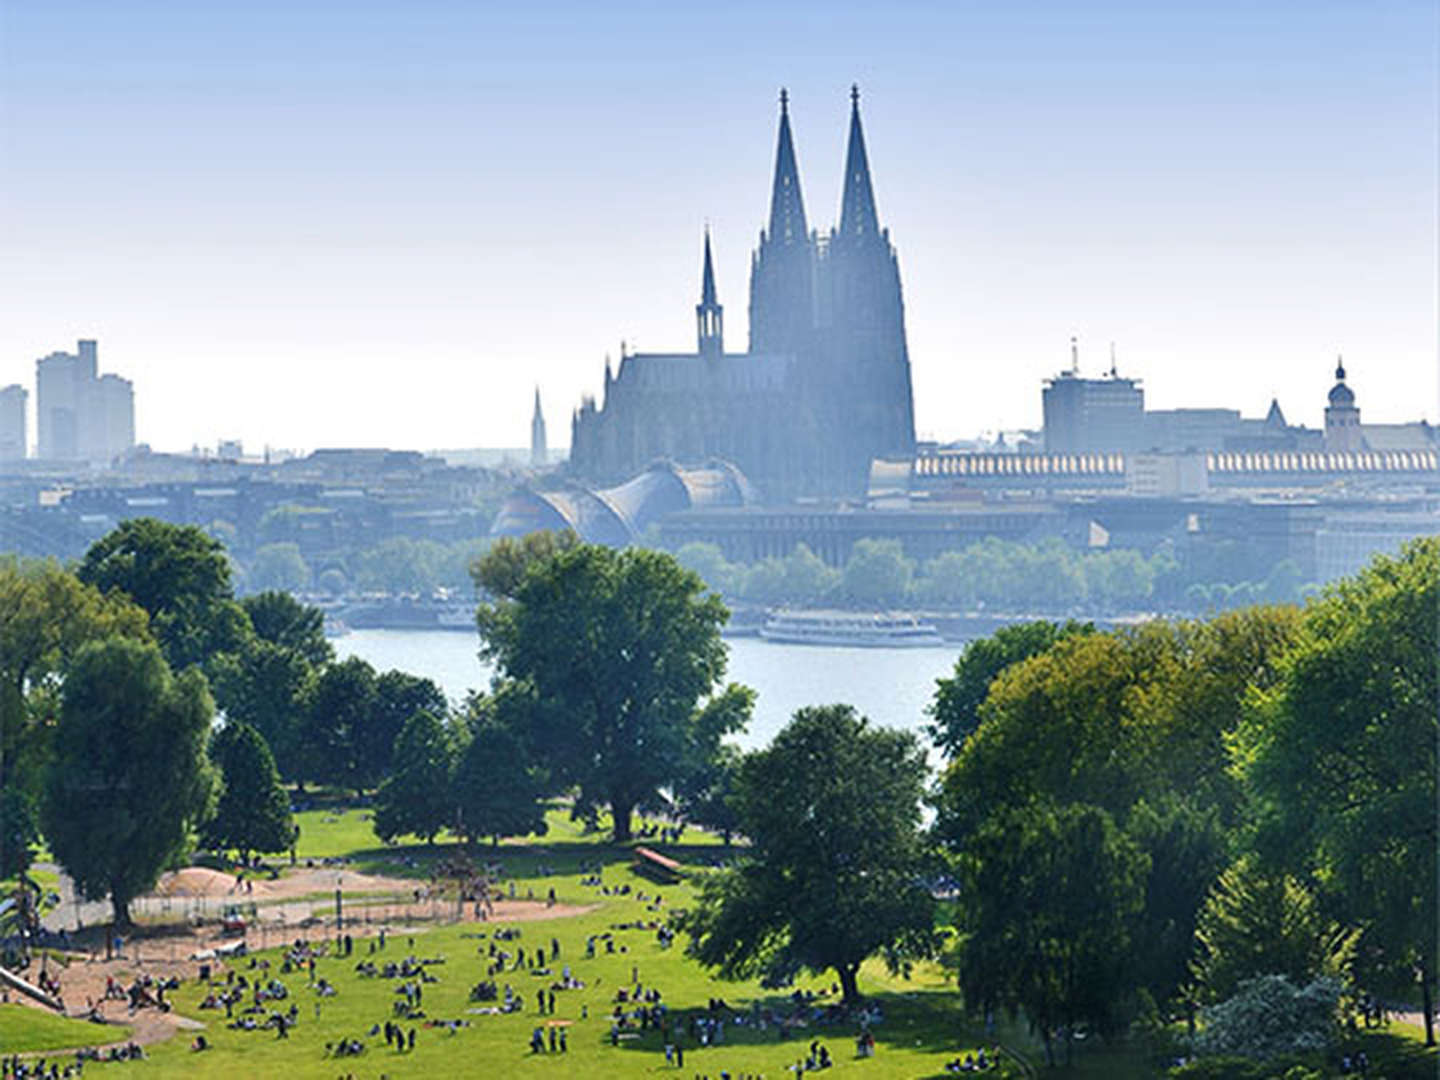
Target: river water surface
[(890, 686)]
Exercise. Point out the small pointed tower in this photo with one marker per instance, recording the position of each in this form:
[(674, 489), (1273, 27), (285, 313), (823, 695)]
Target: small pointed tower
[(1342, 415), (782, 271), (539, 453), (709, 313)]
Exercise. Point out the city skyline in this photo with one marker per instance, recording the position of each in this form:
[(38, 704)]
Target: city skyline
[(305, 231)]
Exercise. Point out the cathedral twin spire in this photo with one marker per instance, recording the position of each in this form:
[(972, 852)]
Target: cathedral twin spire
[(857, 207), (787, 207)]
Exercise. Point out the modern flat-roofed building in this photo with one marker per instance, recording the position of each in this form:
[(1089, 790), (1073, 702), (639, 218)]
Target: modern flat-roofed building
[(12, 423)]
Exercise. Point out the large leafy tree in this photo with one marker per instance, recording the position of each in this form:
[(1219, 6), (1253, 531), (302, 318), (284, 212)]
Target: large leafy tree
[(130, 776), (266, 685), (253, 813), (1341, 756), (398, 697), (955, 712), (617, 648), (180, 576), (46, 616), (416, 798), (280, 619), (1255, 923), (833, 875), (338, 726), (1049, 898), (501, 570), (498, 790), (1134, 724)]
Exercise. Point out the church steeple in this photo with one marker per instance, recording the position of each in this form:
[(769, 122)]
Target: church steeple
[(539, 453), (787, 208), (709, 313), (857, 209)]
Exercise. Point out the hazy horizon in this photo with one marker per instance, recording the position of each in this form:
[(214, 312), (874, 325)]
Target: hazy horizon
[(315, 223)]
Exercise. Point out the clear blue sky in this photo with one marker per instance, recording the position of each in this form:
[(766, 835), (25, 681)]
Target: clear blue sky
[(344, 222)]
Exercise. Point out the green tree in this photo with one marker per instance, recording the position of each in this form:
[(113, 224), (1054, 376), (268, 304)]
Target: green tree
[(1049, 896), (1254, 924), (401, 565), (1341, 756), (266, 686), (832, 810), (955, 712), (338, 726), (46, 616), (764, 581), (503, 567), (180, 576), (277, 617), (877, 573), (618, 648), (19, 831), (253, 813), (498, 790), (709, 562), (130, 776), (416, 798), (1186, 845), (807, 579), (280, 567), (946, 581), (704, 792), (398, 696)]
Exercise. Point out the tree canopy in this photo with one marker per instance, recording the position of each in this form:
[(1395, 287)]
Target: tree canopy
[(180, 576), (277, 617), (955, 712), (416, 797), (130, 775), (46, 616), (253, 812), (1340, 753), (833, 873), (497, 788), (616, 649)]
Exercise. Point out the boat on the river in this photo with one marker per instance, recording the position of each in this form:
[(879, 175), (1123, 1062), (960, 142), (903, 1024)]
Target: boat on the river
[(869, 629)]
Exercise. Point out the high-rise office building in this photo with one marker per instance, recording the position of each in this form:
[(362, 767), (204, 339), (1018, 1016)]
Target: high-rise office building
[(80, 414), (12, 423)]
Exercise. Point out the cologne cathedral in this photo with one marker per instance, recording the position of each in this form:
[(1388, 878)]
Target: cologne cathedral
[(822, 390)]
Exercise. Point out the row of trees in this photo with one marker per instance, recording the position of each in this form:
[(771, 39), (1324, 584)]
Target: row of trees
[(399, 565), (111, 676), (995, 574), (1141, 822)]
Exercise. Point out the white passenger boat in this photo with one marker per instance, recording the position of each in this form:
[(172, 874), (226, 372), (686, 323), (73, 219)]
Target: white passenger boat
[(885, 629)]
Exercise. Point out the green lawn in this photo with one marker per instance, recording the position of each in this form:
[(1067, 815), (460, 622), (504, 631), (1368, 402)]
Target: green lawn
[(23, 1029), (922, 1028)]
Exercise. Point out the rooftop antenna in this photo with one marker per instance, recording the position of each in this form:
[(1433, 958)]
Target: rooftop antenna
[(1074, 356), (1112, 360)]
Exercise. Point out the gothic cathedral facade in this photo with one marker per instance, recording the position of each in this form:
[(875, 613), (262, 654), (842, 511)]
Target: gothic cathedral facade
[(822, 390)]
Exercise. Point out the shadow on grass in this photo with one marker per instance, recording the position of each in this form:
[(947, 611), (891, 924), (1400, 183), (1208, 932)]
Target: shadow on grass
[(924, 1021), (1398, 1056), (522, 860)]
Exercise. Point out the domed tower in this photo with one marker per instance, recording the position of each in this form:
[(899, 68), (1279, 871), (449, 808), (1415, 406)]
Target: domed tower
[(1342, 415)]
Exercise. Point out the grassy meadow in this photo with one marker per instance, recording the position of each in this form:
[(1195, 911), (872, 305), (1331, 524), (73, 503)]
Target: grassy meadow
[(922, 1029)]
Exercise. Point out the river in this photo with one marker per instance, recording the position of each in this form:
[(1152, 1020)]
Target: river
[(890, 686)]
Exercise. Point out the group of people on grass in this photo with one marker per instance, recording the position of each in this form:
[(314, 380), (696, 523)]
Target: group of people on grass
[(15, 1067), (975, 1062)]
